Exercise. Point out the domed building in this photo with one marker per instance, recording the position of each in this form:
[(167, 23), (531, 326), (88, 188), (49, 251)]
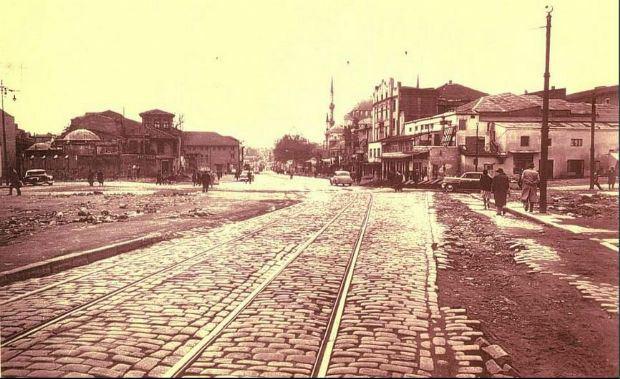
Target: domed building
[(45, 155), (81, 136)]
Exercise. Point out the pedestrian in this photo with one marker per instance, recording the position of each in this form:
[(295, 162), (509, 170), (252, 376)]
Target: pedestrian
[(500, 185), (250, 177), (397, 181), (529, 187), (15, 182), (485, 188), (206, 181), (595, 176), (291, 173), (237, 172), (159, 178), (91, 177), (611, 178), (100, 177)]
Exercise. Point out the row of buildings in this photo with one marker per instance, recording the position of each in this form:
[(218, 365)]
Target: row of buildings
[(122, 147), (428, 133)]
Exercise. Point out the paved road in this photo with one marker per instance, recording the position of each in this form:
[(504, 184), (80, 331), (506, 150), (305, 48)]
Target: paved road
[(341, 284)]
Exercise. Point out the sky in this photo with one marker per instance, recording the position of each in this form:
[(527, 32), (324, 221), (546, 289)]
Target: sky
[(257, 70)]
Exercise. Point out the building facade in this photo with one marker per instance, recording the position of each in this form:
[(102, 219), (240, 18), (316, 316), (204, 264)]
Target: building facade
[(210, 151), (603, 95), (504, 131)]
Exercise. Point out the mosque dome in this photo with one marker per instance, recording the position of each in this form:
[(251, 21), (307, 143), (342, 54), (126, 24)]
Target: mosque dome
[(81, 135)]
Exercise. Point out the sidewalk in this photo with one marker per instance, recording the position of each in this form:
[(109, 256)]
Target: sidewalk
[(606, 237)]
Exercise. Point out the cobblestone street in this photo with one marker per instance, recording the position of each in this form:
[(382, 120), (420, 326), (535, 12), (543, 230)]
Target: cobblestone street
[(344, 283)]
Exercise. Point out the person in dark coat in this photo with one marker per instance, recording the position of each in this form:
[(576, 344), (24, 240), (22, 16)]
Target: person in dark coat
[(397, 181), (206, 181), (611, 178), (15, 182), (100, 177), (485, 188), (500, 185), (595, 176), (91, 177)]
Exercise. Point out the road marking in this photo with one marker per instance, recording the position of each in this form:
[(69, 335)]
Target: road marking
[(327, 346), (187, 360)]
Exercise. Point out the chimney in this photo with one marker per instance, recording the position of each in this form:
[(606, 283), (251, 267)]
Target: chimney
[(450, 81), (526, 92), (552, 88)]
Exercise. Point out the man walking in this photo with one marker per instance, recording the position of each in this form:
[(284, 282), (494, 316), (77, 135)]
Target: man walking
[(206, 181), (595, 176), (500, 185), (529, 193), (100, 177), (15, 182), (91, 177), (611, 178), (485, 187)]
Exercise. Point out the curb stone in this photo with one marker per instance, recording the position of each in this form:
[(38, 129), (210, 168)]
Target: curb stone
[(64, 262), (474, 360)]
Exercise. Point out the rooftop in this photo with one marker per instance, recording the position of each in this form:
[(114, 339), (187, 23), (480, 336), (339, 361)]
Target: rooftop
[(455, 91), (208, 138)]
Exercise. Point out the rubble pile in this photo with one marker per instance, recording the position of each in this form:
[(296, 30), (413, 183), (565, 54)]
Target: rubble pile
[(582, 205)]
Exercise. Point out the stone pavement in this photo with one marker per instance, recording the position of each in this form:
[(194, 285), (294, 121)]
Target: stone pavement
[(257, 297)]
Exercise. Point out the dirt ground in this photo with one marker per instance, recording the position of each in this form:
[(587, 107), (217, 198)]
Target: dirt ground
[(38, 226), (542, 321)]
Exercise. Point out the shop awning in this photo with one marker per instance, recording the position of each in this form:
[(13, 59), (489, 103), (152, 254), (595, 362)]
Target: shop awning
[(395, 155)]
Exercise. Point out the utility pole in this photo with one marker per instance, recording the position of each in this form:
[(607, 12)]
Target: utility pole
[(476, 158), (592, 163), (544, 130), (5, 172)]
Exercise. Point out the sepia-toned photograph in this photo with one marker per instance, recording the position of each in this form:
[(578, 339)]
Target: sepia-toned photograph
[(314, 189)]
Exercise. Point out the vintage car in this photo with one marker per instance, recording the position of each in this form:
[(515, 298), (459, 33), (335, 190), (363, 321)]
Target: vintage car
[(38, 176), (244, 176), (341, 178), (469, 181)]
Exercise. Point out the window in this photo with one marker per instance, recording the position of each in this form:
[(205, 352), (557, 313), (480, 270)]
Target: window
[(607, 100), (160, 147), (576, 142), (488, 166), (549, 142), (525, 140), (462, 124)]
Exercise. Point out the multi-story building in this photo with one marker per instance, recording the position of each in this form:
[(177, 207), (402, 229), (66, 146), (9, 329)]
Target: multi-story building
[(396, 105), (504, 131), (210, 150), (119, 146), (603, 95)]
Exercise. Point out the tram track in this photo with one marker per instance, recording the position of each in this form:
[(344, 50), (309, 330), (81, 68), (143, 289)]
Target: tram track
[(322, 361), (194, 259)]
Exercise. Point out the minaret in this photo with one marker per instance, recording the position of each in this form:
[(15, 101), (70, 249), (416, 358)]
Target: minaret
[(418, 82), (331, 104)]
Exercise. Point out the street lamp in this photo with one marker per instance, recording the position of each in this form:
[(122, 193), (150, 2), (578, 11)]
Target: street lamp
[(4, 91)]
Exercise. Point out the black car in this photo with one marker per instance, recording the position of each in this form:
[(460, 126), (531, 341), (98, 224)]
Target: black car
[(469, 181), (38, 176)]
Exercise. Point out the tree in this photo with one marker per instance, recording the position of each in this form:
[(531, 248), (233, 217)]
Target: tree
[(293, 147)]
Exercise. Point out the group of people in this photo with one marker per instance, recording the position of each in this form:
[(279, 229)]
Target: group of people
[(204, 178), (92, 175), (611, 179), (498, 186)]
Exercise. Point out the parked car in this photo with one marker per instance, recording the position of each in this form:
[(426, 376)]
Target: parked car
[(38, 176), (244, 176), (469, 181), (341, 178)]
